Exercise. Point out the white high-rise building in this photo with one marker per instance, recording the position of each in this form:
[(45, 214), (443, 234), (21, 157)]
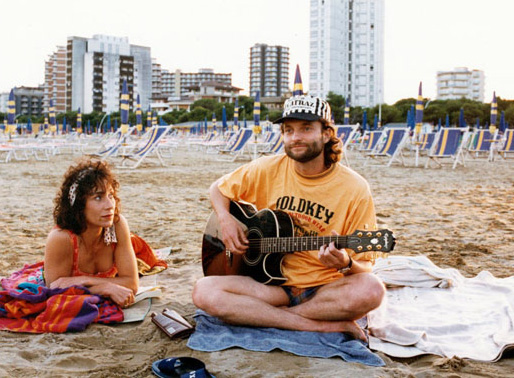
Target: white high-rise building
[(347, 50), (459, 83)]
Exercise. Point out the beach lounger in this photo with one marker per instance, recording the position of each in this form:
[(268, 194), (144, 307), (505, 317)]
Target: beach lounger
[(275, 148), (157, 133), (110, 146), (449, 144), (507, 147), (369, 140), (236, 148), (481, 144), (345, 134), (390, 146)]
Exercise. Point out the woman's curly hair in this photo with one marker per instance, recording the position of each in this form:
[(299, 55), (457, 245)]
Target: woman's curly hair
[(89, 176)]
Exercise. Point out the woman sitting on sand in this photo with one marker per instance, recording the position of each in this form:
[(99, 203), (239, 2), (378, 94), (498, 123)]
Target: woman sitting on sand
[(91, 243)]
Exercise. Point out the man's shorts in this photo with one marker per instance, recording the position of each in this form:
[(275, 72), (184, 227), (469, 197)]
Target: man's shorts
[(299, 295)]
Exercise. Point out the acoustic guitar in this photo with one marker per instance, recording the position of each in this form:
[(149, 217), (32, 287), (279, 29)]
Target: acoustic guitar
[(271, 235)]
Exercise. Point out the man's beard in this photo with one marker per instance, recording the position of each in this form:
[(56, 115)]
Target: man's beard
[(312, 151)]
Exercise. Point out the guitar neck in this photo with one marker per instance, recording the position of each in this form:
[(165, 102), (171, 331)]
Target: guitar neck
[(299, 244)]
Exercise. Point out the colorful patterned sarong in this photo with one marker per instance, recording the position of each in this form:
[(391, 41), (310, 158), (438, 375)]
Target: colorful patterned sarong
[(27, 305)]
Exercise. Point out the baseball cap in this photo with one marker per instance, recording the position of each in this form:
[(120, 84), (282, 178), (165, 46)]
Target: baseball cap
[(307, 108)]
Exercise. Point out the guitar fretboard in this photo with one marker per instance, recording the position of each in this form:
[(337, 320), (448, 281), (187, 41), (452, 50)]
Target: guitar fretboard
[(297, 244)]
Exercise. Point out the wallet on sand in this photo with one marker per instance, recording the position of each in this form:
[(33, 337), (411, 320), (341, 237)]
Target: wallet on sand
[(172, 324)]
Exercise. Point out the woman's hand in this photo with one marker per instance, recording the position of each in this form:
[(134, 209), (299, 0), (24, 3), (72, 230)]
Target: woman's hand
[(120, 295), (64, 282)]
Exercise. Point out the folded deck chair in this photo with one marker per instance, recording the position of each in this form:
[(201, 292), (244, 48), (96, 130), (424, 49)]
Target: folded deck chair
[(345, 134), (449, 144), (157, 133), (481, 144), (390, 145), (507, 148), (236, 148)]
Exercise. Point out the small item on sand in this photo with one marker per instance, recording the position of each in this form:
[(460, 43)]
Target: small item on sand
[(172, 324), (180, 367)]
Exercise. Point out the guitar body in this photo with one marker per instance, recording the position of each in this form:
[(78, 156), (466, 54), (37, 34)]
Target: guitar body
[(264, 268)]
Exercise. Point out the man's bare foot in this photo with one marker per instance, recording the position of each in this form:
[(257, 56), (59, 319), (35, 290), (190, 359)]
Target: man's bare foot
[(346, 326)]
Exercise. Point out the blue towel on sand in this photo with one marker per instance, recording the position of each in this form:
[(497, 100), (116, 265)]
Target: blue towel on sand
[(211, 334)]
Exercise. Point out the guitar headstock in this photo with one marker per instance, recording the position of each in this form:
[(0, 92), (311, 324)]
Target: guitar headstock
[(371, 241)]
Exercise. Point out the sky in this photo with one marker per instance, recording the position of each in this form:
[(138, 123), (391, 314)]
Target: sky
[(421, 37)]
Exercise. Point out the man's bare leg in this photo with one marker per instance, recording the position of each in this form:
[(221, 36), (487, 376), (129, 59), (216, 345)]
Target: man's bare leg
[(242, 301), (349, 298)]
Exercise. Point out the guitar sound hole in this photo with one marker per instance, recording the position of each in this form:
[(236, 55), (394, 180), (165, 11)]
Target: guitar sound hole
[(253, 254)]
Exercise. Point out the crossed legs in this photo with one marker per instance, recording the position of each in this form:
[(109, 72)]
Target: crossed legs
[(334, 308)]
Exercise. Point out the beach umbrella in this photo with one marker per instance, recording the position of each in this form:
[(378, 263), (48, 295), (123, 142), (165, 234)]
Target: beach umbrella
[(462, 121), (108, 123), (124, 108), (375, 122), (89, 126), (419, 110), (364, 120), (204, 131), (235, 126), (257, 114), (53, 126), (154, 118), (346, 120), (139, 116), (503, 125), (224, 125), (64, 125), (11, 110), (447, 122), (439, 124), (214, 123), (45, 125), (477, 125), (494, 113), (29, 126), (412, 118), (244, 124), (298, 86), (79, 122), (115, 124), (149, 118)]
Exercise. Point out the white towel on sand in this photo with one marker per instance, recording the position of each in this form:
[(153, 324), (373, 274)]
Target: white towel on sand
[(430, 310)]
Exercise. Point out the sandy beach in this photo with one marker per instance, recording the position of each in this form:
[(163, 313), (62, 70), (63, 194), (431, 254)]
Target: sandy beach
[(462, 218)]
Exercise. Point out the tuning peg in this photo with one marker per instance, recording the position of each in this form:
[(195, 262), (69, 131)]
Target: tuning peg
[(379, 246), (359, 247), (379, 234), (369, 247), (369, 234), (359, 234)]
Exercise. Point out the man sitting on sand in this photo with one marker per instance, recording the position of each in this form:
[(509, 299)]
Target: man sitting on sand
[(325, 290)]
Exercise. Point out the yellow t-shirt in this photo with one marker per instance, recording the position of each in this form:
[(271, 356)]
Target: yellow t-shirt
[(338, 199)]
